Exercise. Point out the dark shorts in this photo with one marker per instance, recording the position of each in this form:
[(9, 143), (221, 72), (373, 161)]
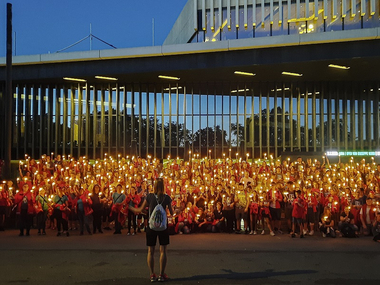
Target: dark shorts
[(275, 213), (311, 216), (240, 214), (288, 212), (151, 237), (3, 210), (298, 221)]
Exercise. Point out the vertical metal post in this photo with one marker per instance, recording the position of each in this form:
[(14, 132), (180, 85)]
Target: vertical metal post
[(184, 122), (117, 127), (268, 121), (42, 119), (353, 117), (20, 119), (361, 133), (177, 102), (337, 116), (8, 96), (155, 122), (237, 117), (95, 122), (140, 121), (102, 122), (322, 112), (345, 122), (253, 123), (291, 137), (283, 117), (162, 123), (147, 121), (376, 116), (57, 118), (72, 119), (298, 119), (50, 120), (229, 127), (306, 116), (64, 128), (261, 122), (80, 111), (110, 113), (125, 121), (275, 121), (35, 118), (314, 116), (329, 117), (87, 100), (245, 121)]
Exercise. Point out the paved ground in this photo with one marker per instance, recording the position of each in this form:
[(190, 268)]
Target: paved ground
[(193, 259)]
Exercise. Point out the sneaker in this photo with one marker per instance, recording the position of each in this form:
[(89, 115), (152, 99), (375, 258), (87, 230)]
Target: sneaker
[(153, 278), (44, 233), (311, 233), (181, 233), (162, 277), (293, 235), (251, 233), (263, 232), (128, 234), (133, 234), (272, 234), (39, 233), (58, 234), (304, 232), (254, 232), (280, 232), (323, 235), (302, 236)]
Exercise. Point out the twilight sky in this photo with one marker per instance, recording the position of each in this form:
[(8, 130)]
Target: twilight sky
[(44, 26)]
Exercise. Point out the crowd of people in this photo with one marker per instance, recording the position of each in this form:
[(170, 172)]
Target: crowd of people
[(209, 195)]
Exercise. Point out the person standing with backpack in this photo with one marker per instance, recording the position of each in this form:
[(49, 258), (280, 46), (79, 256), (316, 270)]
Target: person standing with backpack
[(157, 227)]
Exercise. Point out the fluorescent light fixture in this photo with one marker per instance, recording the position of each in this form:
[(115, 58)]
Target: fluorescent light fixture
[(332, 153), (244, 73), (240, 90), (74, 79), (291, 73), (173, 88), (168, 77), (105, 77), (339, 66)]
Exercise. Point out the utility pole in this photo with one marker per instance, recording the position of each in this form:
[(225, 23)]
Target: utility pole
[(90, 36), (152, 31), (8, 97)]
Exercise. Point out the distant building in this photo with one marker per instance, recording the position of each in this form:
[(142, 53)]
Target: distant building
[(247, 75)]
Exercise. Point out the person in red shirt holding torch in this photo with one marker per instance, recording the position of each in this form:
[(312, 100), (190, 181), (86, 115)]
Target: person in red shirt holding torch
[(298, 214)]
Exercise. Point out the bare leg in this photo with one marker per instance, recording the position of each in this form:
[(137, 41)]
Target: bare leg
[(150, 259), (163, 259)]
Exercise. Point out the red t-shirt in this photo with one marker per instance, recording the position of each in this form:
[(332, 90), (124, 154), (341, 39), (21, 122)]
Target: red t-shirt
[(298, 208)]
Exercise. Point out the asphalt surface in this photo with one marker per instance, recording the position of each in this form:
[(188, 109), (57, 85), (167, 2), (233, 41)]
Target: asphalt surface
[(192, 259)]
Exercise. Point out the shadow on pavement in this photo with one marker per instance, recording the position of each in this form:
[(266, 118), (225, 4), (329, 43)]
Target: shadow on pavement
[(244, 276)]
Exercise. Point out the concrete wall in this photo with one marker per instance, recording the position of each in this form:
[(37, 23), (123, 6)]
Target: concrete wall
[(183, 28)]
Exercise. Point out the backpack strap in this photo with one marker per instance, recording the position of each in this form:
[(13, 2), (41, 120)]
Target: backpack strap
[(162, 199)]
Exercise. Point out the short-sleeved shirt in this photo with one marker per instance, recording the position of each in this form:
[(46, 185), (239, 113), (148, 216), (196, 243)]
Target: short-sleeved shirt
[(151, 199), (60, 200), (118, 198)]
